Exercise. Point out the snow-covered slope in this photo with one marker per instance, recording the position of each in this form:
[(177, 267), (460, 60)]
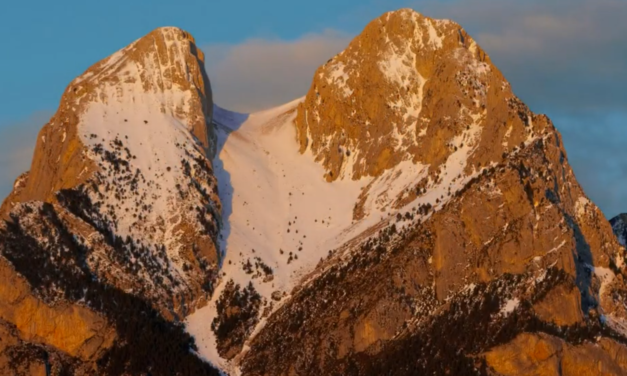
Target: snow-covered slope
[(154, 174), (279, 210)]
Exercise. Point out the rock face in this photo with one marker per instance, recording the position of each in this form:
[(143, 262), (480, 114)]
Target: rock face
[(407, 88), (541, 354), (74, 329), (110, 239)]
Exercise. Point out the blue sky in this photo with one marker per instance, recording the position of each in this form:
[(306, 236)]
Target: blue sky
[(565, 58)]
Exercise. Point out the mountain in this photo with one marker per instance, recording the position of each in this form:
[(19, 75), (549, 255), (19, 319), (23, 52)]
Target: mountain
[(125, 162), (619, 226), (461, 235), (408, 215), (110, 238)]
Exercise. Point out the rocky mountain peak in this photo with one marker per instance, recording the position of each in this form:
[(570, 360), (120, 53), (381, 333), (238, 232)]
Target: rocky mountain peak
[(165, 63), (162, 72), (111, 238), (127, 160), (411, 88)]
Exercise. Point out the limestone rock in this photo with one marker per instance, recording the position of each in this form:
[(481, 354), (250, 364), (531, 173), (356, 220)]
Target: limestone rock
[(528, 354), (562, 306), (76, 330), (410, 88)]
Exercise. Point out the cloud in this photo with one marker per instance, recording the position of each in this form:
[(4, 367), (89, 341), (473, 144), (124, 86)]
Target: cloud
[(559, 55), (17, 142), (262, 73)]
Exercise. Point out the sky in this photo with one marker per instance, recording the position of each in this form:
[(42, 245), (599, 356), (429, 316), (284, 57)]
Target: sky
[(564, 58)]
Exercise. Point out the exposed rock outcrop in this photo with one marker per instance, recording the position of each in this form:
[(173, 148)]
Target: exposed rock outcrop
[(541, 354), (147, 186), (73, 329), (408, 88)]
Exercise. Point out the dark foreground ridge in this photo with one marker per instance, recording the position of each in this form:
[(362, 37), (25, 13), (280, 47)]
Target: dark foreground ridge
[(146, 343)]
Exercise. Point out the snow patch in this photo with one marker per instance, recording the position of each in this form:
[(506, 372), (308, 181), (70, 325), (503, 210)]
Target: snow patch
[(434, 39), (19, 181), (580, 206), (556, 248), (399, 67), (506, 137), (605, 275), (337, 76), (509, 306)]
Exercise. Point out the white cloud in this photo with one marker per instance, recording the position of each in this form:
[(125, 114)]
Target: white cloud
[(262, 73)]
